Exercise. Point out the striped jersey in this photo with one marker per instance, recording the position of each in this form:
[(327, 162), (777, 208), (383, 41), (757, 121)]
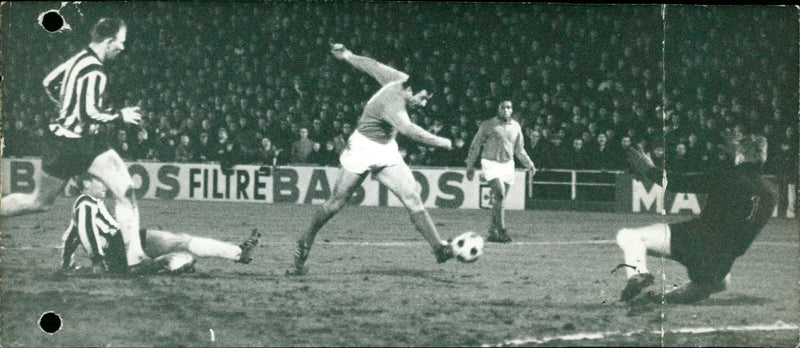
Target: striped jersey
[(385, 107), (79, 84), (93, 227)]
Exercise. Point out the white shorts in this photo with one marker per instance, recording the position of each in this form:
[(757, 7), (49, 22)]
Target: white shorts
[(497, 170), (363, 155)]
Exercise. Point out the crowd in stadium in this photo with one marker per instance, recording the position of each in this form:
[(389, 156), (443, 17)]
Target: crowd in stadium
[(255, 83)]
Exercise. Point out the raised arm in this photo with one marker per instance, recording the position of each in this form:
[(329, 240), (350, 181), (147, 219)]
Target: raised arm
[(403, 124), (676, 182), (381, 72)]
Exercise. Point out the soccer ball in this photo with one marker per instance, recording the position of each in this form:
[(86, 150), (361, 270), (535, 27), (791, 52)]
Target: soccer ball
[(468, 247)]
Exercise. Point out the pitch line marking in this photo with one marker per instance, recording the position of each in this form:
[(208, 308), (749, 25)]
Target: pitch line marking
[(416, 243), (777, 326)]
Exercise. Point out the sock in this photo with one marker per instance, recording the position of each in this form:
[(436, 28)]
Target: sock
[(634, 251), (206, 247), (127, 215), (424, 224), (321, 217)]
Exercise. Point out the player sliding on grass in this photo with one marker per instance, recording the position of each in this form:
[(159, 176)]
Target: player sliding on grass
[(738, 206), (93, 227), (497, 141), (76, 145), (372, 149)]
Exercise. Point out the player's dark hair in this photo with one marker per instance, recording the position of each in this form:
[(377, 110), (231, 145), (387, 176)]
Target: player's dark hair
[(418, 83), (80, 179), (106, 28)]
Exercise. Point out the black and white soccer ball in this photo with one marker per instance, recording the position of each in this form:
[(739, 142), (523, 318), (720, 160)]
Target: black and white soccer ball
[(467, 247)]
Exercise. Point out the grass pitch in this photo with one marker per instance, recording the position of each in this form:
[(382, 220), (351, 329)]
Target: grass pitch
[(373, 282)]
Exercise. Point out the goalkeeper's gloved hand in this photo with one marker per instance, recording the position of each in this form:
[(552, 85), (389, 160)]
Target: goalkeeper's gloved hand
[(639, 161)]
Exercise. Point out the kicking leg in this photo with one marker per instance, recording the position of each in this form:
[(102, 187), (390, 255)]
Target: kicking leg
[(110, 168), (400, 181), (346, 184), (40, 200), (636, 244)]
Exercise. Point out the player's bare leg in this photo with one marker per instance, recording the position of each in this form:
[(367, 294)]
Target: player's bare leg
[(346, 184), (499, 192), (636, 244), (400, 181), (110, 168), (40, 200), (164, 242)]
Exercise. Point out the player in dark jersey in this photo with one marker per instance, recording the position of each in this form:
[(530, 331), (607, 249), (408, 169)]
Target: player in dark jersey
[(739, 204), (74, 146), (93, 227)]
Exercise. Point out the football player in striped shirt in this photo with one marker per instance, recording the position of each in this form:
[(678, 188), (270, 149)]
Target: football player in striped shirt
[(74, 146), (372, 149), (93, 227)]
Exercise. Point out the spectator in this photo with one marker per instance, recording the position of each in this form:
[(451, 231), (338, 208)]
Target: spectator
[(316, 133), (459, 153), (121, 145), (576, 156), (316, 157), (340, 141), (329, 156), (184, 152), (301, 148), (142, 149), (601, 156), (267, 154), (679, 161), (204, 150)]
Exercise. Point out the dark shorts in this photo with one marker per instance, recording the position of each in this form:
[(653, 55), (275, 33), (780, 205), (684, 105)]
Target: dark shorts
[(66, 157), (698, 249)]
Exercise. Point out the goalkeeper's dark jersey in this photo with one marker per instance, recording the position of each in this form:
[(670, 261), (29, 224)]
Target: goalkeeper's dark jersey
[(739, 204)]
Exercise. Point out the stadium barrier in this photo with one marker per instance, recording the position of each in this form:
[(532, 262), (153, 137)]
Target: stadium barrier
[(554, 189), (595, 190), (438, 187)]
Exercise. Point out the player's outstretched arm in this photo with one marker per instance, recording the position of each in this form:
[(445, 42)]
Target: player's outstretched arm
[(676, 182), (384, 74), (404, 125)]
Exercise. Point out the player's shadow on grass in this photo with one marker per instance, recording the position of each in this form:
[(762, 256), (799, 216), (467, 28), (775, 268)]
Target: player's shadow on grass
[(404, 272), (735, 300)]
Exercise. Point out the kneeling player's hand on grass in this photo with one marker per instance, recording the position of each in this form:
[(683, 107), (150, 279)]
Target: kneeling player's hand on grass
[(131, 115)]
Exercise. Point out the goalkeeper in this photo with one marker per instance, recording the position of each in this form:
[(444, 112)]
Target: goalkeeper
[(738, 206), (93, 227)]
